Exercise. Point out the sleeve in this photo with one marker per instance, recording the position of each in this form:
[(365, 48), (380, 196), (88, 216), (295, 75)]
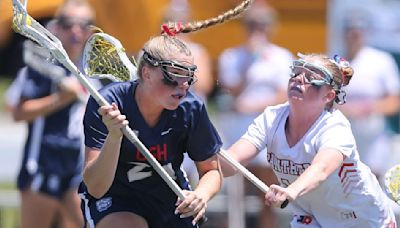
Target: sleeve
[(257, 132), (337, 135), (94, 129), (203, 140)]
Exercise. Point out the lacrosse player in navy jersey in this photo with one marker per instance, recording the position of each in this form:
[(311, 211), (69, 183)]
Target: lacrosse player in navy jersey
[(120, 188), (52, 162)]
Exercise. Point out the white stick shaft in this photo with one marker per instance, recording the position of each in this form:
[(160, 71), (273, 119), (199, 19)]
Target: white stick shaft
[(250, 176)]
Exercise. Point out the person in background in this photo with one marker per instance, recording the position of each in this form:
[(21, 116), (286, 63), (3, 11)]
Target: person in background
[(51, 168), (372, 95), (252, 76), (313, 153)]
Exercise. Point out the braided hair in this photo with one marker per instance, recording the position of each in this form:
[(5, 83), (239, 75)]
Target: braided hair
[(173, 28), (167, 44)]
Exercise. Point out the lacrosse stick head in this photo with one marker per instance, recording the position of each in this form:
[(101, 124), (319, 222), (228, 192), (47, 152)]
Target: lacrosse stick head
[(20, 16), (27, 26), (105, 57), (392, 183)]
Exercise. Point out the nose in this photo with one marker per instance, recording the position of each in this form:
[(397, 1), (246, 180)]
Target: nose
[(77, 28), (299, 78), (184, 85), (182, 82)]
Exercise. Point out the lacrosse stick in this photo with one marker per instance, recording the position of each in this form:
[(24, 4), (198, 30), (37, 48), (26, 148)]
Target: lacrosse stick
[(27, 26), (392, 183)]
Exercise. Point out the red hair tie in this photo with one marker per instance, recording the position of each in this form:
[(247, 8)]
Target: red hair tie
[(176, 28)]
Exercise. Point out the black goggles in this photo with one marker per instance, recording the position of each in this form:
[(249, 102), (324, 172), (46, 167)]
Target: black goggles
[(174, 73)]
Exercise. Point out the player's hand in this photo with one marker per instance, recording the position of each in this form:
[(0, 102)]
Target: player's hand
[(193, 205), (113, 119), (276, 195)]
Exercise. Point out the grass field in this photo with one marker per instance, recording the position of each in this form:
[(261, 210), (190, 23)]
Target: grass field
[(9, 213), (4, 83)]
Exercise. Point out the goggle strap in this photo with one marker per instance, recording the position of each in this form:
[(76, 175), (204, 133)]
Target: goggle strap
[(156, 62)]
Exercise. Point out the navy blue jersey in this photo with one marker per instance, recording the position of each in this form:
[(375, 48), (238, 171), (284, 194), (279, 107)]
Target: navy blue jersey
[(53, 147), (185, 129)]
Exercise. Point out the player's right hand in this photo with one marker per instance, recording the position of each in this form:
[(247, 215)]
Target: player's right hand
[(113, 119), (193, 205), (277, 195)]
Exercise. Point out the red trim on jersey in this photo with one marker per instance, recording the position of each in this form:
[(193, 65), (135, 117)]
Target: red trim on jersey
[(342, 167), (346, 172)]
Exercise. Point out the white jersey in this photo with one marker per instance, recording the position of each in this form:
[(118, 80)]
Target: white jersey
[(351, 195)]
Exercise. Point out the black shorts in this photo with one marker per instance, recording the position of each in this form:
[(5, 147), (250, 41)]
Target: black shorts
[(47, 183), (157, 215)]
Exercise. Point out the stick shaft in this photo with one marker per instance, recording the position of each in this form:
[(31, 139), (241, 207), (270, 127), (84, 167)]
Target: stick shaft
[(250, 176)]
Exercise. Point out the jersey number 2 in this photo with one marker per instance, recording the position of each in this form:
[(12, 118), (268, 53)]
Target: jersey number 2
[(136, 173)]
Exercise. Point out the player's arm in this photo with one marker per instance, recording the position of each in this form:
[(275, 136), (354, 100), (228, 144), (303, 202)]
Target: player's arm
[(324, 164), (388, 105), (30, 109), (210, 177), (210, 182), (242, 151), (100, 167)]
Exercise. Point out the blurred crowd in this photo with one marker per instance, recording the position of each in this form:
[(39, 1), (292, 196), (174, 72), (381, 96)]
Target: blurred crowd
[(236, 87)]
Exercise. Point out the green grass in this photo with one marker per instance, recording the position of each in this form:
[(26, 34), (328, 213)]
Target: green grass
[(7, 186), (4, 83), (9, 216)]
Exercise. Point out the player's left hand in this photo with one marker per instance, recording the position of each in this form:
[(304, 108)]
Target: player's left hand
[(276, 195), (193, 205)]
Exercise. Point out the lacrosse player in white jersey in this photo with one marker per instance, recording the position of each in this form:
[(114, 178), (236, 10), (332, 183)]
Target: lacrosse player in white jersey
[(313, 152)]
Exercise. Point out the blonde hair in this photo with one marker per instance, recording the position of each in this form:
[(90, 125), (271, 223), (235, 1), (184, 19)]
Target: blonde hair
[(163, 47)]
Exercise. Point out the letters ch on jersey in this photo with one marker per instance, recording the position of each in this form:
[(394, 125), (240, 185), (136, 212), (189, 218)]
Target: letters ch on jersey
[(160, 152)]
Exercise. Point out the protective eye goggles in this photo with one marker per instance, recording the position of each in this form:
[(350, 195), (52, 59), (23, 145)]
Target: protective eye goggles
[(174, 73), (67, 23), (313, 74)]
